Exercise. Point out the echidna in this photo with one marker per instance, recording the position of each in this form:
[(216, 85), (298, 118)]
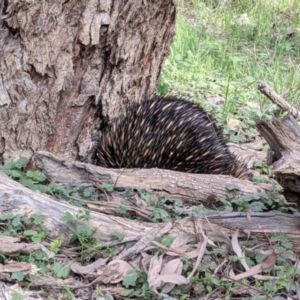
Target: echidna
[(167, 133)]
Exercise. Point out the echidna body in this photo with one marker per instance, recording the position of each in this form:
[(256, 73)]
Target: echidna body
[(167, 133)]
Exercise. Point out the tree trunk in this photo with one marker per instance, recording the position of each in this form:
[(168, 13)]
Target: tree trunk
[(283, 136), (65, 67)]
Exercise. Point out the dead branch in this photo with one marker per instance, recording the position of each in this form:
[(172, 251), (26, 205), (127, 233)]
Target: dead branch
[(277, 99), (185, 186)]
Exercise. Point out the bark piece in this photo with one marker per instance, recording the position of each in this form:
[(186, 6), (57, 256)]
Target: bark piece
[(283, 136), (245, 152), (13, 247)]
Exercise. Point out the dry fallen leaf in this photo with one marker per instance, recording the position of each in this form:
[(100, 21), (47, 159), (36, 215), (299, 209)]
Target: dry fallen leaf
[(153, 272), (182, 239), (146, 258), (219, 237), (177, 251), (250, 272), (180, 244), (168, 277), (194, 253), (173, 278), (234, 124), (215, 99), (202, 247), (173, 266), (238, 251), (268, 262), (114, 272), (80, 269), (248, 232)]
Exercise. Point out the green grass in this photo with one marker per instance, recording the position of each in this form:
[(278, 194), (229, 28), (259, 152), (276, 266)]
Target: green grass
[(226, 47)]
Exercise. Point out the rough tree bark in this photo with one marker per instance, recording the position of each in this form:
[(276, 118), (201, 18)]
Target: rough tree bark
[(65, 66), (283, 136), (185, 186)]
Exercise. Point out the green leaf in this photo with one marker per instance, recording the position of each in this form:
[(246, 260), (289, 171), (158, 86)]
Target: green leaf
[(260, 179), (67, 217), (234, 139), (130, 279), (258, 163), (16, 221), (166, 240), (36, 175), (159, 214), (88, 192), (37, 219), (16, 174), (258, 206), (145, 196), (84, 230), (128, 190), (19, 276), (60, 271), (108, 187), (21, 162), (232, 187), (118, 235), (29, 233), (126, 293), (17, 296), (121, 210), (200, 210), (25, 219), (84, 215), (55, 245), (6, 216)]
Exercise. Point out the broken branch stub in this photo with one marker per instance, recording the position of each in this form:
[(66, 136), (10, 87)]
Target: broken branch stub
[(277, 99)]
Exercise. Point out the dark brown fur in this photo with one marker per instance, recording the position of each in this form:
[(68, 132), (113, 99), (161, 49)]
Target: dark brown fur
[(167, 133)]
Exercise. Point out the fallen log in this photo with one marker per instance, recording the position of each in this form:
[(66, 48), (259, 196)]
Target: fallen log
[(185, 186), (18, 199)]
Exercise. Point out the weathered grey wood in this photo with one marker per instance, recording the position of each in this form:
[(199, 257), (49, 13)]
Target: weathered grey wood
[(20, 200), (185, 186), (283, 136), (66, 66)]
